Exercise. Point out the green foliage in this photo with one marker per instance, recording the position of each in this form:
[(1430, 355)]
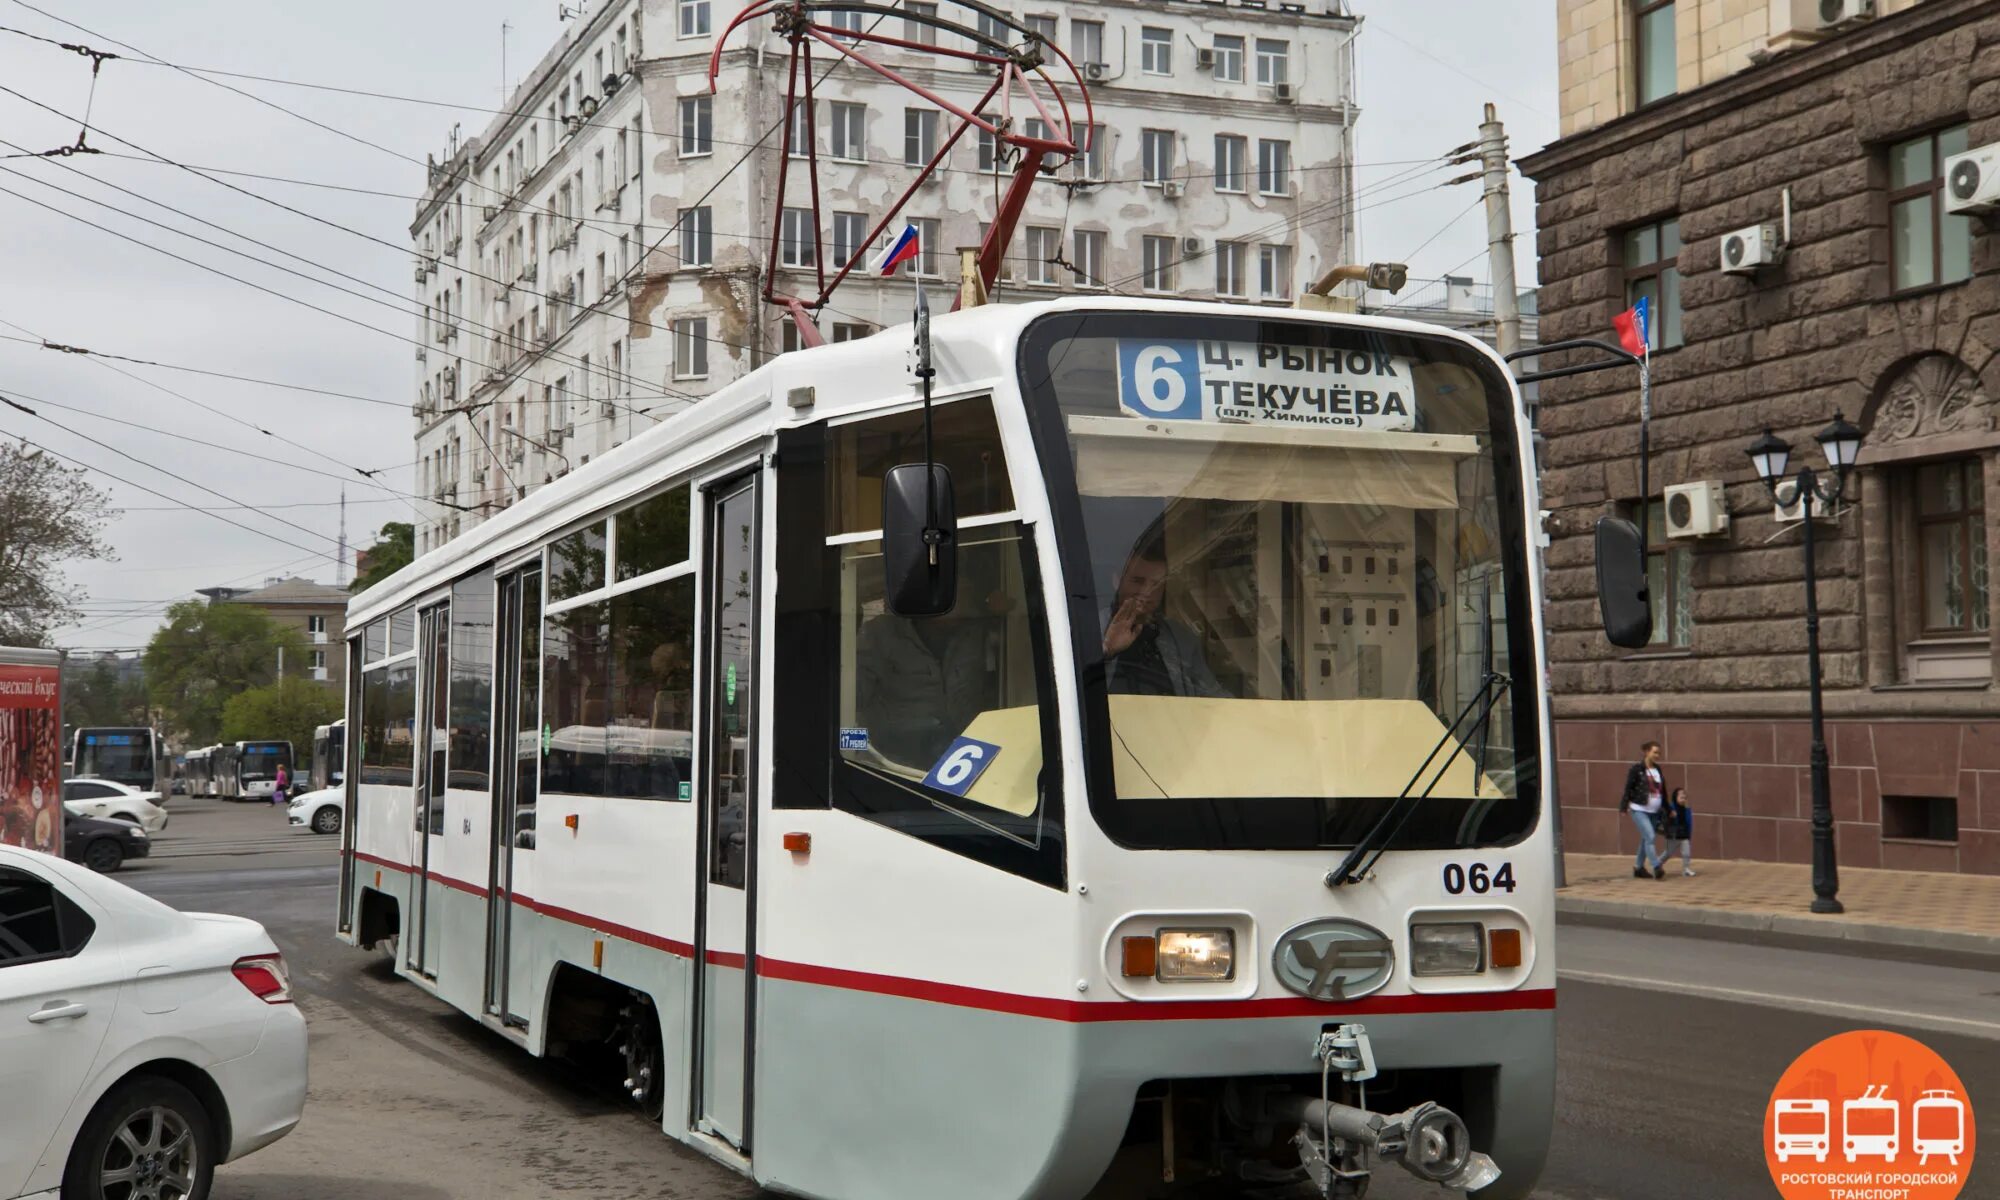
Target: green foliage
[(287, 710), (207, 653), (94, 694), (395, 546), (48, 514)]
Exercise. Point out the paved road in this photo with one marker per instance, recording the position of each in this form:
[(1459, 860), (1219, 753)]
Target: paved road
[(1668, 1050)]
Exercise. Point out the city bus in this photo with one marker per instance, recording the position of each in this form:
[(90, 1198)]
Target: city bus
[(135, 756), (329, 751), (1050, 750), (200, 771)]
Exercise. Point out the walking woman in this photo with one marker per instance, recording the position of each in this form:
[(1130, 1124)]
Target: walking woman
[(280, 784), (1644, 796)]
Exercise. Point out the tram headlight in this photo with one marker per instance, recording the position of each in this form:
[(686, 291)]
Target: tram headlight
[(1195, 955), (1447, 948)]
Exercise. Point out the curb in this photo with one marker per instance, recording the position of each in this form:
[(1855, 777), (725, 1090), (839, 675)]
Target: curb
[(1825, 934)]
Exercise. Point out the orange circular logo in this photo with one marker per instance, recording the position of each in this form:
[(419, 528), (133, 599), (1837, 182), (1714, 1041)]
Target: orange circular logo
[(1869, 1113)]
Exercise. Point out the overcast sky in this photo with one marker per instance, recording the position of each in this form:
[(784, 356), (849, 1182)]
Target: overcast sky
[(1426, 69)]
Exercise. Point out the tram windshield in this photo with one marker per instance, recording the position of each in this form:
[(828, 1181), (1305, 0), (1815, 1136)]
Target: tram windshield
[(1296, 557)]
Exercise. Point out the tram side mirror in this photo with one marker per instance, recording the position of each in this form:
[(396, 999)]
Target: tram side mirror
[(1621, 584), (919, 560)]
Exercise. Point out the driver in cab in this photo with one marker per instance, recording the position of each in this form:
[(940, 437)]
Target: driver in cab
[(1147, 652)]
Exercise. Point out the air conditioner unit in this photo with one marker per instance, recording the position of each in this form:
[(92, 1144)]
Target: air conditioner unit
[(1284, 93), (1172, 189), (1698, 509), (1190, 246), (489, 212), (1790, 514), (1745, 250), (1835, 13), (1972, 180), (932, 179), (1204, 59), (611, 83), (1096, 72)]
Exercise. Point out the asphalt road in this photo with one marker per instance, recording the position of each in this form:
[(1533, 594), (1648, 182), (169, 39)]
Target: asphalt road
[(1668, 1048)]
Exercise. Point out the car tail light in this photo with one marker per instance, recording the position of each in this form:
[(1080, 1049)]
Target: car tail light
[(266, 977)]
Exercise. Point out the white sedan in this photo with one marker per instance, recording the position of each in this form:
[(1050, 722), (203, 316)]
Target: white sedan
[(114, 801), (319, 810), (139, 1046)]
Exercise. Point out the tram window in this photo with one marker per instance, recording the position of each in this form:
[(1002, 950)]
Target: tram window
[(576, 685), (528, 735), (388, 722), (403, 632), (965, 439), (651, 738), (375, 641), (471, 682), (576, 563), (653, 534)]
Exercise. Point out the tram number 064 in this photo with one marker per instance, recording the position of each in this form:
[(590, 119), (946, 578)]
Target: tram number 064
[(1477, 878)]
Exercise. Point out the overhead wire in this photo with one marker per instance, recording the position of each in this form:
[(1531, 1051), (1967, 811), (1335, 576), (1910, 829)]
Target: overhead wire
[(62, 348)]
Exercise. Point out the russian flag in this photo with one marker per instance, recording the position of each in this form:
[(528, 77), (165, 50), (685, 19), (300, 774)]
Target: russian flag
[(1631, 326), (900, 251)]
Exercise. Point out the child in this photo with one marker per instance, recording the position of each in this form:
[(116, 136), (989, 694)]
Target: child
[(1677, 826)]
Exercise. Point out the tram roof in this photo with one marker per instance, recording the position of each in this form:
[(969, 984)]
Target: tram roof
[(972, 350)]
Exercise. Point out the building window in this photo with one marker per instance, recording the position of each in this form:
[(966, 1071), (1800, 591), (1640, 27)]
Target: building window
[(1274, 167), (1926, 244), (848, 230), (1090, 153), (1086, 41), (1156, 155), (917, 31), (989, 150), (1156, 51), (316, 624), (691, 348), (801, 132), (850, 131), (1044, 248), (697, 126), (1157, 264), (841, 19), (920, 135), (848, 331), (1274, 272), (697, 237), (1228, 59), (1045, 27), (797, 246), (1668, 566), (1652, 271), (1654, 52), (1274, 61), (1232, 153), (1087, 268), (1229, 269), (788, 336), (319, 660), (694, 18), (929, 234), (1951, 541)]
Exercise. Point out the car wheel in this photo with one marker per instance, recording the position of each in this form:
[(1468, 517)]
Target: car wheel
[(104, 856), (149, 1139), (326, 820)]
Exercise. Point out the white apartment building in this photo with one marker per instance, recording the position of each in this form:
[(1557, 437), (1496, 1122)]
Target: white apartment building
[(594, 261)]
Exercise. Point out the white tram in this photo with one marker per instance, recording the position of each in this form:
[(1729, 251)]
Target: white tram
[(1198, 842)]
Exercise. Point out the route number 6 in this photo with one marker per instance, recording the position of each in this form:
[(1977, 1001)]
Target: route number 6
[(1159, 386), (961, 765)]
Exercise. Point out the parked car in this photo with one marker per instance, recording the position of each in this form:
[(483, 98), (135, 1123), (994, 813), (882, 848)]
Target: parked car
[(139, 1046), (319, 810), (103, 845), (103, 798)]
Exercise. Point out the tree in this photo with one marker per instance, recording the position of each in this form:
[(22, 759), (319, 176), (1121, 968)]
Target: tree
[(207, 653), (287, 710), (395, 546), (49, 514), (97, 692)]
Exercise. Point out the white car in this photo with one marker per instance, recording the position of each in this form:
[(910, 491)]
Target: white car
[(139, 1046), (319, 811), (114, 801)]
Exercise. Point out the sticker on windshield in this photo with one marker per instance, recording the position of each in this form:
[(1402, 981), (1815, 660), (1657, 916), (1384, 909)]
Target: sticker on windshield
[(854, 737), (961, 766), (1265, 383)]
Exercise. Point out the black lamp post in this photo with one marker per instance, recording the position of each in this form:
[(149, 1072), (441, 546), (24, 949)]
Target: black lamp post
[(1841, 443)]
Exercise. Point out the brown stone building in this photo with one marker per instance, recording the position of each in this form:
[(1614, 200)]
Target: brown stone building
[(317, 610), (1683, 123)]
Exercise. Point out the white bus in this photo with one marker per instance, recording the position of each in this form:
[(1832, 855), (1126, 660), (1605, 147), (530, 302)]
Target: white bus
[(1199, 836)]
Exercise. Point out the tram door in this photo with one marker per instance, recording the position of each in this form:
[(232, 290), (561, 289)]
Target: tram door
[(725, 955), (516, 775), (434, 672)]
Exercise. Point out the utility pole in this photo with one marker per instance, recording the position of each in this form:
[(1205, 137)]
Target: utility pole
[(340, 561), (1499, 233)]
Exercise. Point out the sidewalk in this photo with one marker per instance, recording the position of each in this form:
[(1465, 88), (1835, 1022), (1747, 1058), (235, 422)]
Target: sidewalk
[(1909, 912)]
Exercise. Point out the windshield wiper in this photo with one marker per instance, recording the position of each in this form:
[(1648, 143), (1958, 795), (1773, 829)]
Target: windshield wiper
[(1383, 833)]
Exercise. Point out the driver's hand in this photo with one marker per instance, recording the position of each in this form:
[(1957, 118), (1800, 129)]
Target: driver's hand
[(1123, 629)]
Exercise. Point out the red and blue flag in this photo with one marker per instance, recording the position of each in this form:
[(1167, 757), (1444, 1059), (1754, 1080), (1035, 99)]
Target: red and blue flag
[(904, 249), (1632, 327)]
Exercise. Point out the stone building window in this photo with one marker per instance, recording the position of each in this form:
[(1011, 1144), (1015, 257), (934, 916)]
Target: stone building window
[(1652, 270), (1951, 546), (1927, 246), (1669, 570), (1653, 49)]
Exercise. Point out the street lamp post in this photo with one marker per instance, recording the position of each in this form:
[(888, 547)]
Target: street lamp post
[(1841, 443)]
